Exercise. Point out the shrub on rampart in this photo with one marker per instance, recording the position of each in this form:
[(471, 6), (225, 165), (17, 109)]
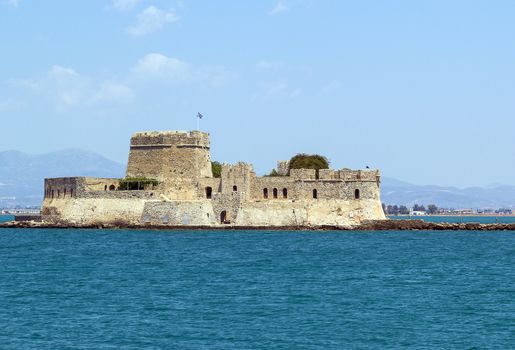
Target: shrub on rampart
[(216, 168), (308, 161)]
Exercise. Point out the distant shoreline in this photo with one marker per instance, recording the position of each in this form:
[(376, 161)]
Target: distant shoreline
[(459, 215)]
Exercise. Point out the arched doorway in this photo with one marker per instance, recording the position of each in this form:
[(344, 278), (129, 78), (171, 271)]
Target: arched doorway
[(275, 192), (223, 217), (265, 193), (285, 193)]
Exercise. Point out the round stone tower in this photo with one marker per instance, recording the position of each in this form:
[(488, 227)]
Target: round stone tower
[(177, 159)]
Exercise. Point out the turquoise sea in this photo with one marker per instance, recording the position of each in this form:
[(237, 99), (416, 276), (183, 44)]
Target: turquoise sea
[(121, 289), (4, 218)]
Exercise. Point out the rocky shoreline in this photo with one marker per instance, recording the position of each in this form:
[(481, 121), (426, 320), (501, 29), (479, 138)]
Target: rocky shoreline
[(377, 225)]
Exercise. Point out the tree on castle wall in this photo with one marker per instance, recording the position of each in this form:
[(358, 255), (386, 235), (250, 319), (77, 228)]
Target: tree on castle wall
[(308, 161), (216, 168)]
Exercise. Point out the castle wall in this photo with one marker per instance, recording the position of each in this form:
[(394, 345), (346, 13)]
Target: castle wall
[(178, 213), (177, 159), (238, 178), (314, 213), (188, 194), (90, 211)]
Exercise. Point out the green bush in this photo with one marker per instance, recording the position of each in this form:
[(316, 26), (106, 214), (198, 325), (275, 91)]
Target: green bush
[(136, 183), (216, 168), (308, 161)]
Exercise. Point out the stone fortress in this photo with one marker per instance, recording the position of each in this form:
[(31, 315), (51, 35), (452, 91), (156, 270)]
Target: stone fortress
[(183, 191)]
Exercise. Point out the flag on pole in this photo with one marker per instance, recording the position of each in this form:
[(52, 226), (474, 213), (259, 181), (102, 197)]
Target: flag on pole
[(199, 116)]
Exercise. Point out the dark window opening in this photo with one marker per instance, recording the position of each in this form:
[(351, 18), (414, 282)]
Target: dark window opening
[(315, 194), (58, 194), (356, 194), (71, 193), (285, 193), (209, 192), (64, 193), (265, 193), (105, 188), (52, 193), (112, 188), (235, 188), (275, 192)]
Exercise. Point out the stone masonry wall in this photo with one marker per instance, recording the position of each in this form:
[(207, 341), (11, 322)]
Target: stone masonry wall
[(189, 195), (175, 158)]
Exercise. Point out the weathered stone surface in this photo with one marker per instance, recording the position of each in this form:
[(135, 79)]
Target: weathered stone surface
[(187, 193)]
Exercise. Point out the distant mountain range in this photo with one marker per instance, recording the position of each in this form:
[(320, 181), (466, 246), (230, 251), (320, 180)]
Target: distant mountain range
[(22, 174), (21, 182), (394, 191)]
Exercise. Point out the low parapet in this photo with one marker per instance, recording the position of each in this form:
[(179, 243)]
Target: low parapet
[(335, 175), (170, 138)]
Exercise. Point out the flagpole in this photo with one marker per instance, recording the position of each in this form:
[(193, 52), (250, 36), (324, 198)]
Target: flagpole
[(198, 123)]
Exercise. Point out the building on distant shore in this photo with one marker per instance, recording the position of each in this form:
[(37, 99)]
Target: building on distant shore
[(169, 181)]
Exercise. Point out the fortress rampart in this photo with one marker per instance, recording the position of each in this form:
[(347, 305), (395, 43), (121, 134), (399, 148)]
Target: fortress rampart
[(175, 186)]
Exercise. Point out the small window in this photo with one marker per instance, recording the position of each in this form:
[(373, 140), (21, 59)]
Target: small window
[(356, 194), (315, 194), (209, 192), (234, 188), (285, 193), (64, 193), (71, 193), (275, 192), (58, 193), (52, 193), (105, 188), (112, 188), (265, 193)]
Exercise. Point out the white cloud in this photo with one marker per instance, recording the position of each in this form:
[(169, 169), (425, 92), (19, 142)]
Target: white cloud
[(124, 4), (175, 71), (66, 89), (14, 3), (278, 8), (112, 91), (151, 20)]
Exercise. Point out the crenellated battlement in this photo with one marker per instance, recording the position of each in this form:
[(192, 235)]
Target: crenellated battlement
[(170, 138)]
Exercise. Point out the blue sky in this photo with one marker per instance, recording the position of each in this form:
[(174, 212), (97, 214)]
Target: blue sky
[(423, 90)]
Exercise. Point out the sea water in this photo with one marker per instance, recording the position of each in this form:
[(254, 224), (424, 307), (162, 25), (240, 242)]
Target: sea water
[(4, 218), (122, 289)]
